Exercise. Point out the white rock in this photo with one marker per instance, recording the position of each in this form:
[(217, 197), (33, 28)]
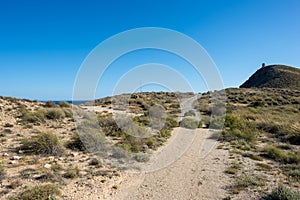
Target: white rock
[(5, 154), (12, 162), (16, 158), (47, 166)]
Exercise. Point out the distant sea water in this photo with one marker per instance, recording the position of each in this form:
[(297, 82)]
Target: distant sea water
[(70, 101)]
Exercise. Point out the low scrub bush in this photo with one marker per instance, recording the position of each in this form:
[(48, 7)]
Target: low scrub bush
[(257, 103), (43, 144), (236, 135), (75, 143), (88, 137), (72, 173), (252, 156), (190, 113), (189, 123), (33, 117), (50, 104), (171, 123), (216, 122), (165, 133), (109, 126), (230, 170), (64, 104), (40, 192), (283, 193), (243, 182), (281, 155), (54, 113), (141, 157), (292, 171), (231, 121), (28, 173), (95, 162)]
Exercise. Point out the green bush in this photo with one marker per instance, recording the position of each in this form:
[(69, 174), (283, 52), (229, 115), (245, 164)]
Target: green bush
[(33, 117), (230, 170), (200, 124), (252, 156), (76, 143), (88, 137), (50, 104), (231, 121), (109, 126), (95, 162), (281, 155), (283, 193), (43, 144), (237, 135), (171, 123), (190, 113), (28, 173), (141, 157), (68, 112), (244, 181), (257, 103), (41, 192), (189, 123), (292, 171), (72, 173), (165, 133), (64, 104), (216, 122), (54, 113)]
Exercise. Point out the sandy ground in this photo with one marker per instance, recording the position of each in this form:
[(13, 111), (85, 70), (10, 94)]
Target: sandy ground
[(189, 177), (187, 167)]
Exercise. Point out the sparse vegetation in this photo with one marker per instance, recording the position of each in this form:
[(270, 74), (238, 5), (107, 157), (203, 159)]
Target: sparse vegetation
[(33, 117), (283, 193), (190, 113), (40, 192), (189, 123), (261, 124), (95, 162), (234, 168), (64, 104), (75, 143), (243, 182), (141, 157), (50, 104), (2, 172), (72, 173), (42, 144), (279, 155), (54, 113)]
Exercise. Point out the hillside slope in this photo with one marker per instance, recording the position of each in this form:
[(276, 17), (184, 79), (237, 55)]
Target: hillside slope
[(274, 76)]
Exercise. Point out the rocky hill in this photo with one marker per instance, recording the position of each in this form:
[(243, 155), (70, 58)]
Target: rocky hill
[(274, 76)]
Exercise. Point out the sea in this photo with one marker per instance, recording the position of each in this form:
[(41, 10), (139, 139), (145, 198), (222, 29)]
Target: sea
[(70, 101)]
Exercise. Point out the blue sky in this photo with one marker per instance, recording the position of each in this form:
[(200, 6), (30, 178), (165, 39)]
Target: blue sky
[(43, 43)]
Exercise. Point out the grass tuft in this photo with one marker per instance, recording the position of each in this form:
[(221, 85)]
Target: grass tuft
[(40, 192), (42, 144)]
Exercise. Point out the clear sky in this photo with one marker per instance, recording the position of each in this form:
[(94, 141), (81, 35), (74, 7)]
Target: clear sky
[(43, 43)]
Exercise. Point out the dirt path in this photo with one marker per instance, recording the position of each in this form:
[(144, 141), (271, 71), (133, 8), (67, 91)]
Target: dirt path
[(189, 177)]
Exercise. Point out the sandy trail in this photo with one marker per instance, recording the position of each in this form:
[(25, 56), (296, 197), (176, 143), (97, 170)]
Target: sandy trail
[(189, 177)]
